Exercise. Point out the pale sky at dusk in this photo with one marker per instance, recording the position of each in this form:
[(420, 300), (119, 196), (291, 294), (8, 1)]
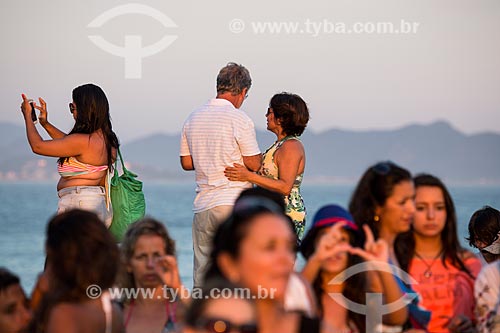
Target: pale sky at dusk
[(449, 69)]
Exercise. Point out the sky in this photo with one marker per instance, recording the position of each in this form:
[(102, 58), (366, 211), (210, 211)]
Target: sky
[(446, 67)]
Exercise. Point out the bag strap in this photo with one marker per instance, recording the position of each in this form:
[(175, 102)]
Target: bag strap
[(121, 161)]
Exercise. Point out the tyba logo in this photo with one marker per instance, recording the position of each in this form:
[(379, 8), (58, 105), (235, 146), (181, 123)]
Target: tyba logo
[(132, 50), (374, 309)]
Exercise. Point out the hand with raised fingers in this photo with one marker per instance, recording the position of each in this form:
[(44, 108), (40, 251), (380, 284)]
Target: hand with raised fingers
[(26, 106), (42, 117), (375, 250), (237, 172), (330, 244)]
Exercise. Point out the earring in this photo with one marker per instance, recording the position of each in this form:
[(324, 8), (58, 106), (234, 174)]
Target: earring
[(376, 218)]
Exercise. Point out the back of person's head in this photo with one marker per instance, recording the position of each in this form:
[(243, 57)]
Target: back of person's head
[(233, 78), (230, 234), (212, 313), (145, 227), (484, 232), (80, 252), (291, 111), (260, 192), (14, 313), (373, 189)]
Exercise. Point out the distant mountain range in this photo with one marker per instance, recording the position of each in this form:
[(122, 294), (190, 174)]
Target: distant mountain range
[(332, 156)]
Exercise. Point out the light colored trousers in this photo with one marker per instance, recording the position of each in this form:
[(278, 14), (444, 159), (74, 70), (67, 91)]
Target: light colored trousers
[(205, 224), (91, 198)]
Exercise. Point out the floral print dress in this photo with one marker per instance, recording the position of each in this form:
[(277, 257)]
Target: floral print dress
[(293, 202)]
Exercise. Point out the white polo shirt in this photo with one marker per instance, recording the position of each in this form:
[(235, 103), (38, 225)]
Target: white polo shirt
[(217, 135)]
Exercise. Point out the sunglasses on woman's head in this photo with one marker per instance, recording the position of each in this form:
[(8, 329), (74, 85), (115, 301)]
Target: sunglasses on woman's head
[(382, 168), (216, 325)]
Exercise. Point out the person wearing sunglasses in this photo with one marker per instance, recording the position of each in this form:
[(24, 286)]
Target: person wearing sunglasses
[(86, 153), (283, 163), (384, 200), (255, 248), (210, 313), (484, 234)]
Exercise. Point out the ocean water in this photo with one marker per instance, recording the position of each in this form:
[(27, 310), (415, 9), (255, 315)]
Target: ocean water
[(25, 209)]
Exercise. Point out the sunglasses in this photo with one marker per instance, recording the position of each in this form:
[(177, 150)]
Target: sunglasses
[(269, 111), (216, 325), (71, 108), (383, 168)]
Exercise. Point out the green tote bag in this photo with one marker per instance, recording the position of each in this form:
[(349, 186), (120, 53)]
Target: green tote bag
[(127, 200)]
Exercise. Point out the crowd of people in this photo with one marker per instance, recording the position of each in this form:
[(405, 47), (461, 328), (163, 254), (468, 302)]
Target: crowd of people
[(389, 262)]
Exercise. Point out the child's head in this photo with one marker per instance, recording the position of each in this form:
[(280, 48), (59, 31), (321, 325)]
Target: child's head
[(326, 217), (14, 312), (484, 232)]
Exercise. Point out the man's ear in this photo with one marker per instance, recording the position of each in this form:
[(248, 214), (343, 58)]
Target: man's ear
[(228, 267)]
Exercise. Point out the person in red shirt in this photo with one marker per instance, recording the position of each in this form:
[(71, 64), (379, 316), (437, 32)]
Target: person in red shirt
[(432, 254)]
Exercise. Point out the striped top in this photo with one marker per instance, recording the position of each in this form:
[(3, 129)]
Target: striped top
[(73, 167), (217, 135)]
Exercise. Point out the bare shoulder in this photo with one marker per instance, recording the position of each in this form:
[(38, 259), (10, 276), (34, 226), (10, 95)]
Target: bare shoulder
[(468, 255), (294, 146), (63, 318)]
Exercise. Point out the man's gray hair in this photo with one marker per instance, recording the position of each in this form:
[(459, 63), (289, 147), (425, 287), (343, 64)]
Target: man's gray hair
[(233, 78)]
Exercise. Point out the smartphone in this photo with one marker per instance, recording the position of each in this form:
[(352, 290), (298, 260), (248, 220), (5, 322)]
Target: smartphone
[(33, 113)]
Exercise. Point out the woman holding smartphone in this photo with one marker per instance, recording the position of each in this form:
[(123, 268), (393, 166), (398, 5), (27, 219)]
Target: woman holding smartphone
[(85, 154)]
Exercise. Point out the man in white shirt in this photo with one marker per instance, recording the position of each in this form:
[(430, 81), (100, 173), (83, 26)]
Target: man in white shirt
[(215, 136)]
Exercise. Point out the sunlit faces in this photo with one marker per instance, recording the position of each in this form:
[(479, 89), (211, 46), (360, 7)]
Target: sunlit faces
[(266, 256), (397, 212), (148, 249), (14, 313), (430, 215), (338, 262)]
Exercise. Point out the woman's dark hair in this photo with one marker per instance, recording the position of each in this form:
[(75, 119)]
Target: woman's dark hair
[(146, 226), (405, 243), (92, 114), (373, 189), (231, 232), (355, 287), (7, 279), (291, 111), (80, 252), (196, 309), (484, 226), (260, 192)]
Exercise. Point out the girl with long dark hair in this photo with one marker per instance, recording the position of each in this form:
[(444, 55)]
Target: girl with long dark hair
[(384, 200), (86, 153), (432, 254)]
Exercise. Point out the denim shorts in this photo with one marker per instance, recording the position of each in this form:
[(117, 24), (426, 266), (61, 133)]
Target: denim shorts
[(91, 198)]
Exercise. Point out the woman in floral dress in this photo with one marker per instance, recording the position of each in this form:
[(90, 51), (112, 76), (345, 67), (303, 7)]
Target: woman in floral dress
[(284, 162)]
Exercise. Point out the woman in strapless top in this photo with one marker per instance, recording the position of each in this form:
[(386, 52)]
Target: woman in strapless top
[(86, 153)]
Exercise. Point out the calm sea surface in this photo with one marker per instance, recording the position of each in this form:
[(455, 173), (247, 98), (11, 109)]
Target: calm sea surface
[(25, 209)]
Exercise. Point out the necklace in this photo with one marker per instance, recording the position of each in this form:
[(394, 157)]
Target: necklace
[(428, 271)]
